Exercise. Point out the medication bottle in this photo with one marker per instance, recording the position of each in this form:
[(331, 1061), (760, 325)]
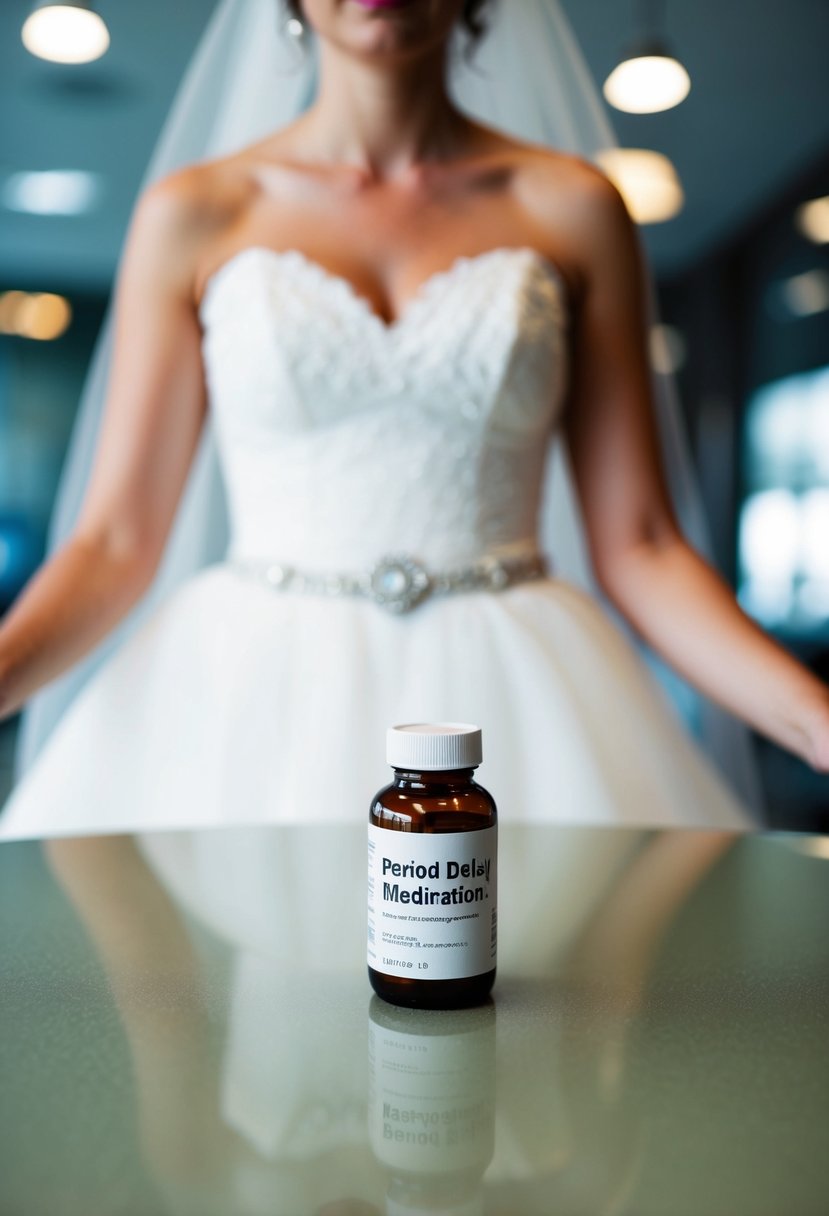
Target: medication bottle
[(432, 871)]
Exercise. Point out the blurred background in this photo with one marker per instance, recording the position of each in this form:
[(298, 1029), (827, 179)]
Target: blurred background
[(728, 179)]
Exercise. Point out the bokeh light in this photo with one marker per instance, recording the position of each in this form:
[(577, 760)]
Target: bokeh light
[(65, 33), (647, 181), (645, 84), (40, 315)]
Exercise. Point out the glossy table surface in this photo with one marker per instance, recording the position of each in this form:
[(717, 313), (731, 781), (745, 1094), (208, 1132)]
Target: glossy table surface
[(186, 1026)]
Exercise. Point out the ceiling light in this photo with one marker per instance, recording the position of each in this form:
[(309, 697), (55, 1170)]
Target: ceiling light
[(648, 79), (39, 315), (667, 349), (812, 219), (65, 33), (44, 317), (806, 294), (51, 192), (647, 181)]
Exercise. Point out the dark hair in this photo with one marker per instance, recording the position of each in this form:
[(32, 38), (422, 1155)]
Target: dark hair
[(471, 18)]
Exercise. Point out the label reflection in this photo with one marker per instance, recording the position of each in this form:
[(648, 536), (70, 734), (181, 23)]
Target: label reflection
[(431, 1106)]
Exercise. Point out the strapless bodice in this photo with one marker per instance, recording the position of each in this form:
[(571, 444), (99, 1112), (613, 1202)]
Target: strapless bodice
[(343, 437)]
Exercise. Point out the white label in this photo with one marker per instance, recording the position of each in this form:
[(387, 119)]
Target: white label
[(432, 903)]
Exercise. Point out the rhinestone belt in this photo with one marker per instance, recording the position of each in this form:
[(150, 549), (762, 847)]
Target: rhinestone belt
[(399, 582)]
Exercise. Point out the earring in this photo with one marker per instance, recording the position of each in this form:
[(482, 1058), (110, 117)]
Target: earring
[(295, 32), (294, 28)]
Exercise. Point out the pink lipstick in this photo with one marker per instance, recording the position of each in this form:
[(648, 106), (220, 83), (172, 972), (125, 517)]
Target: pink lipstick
[(382, 3)]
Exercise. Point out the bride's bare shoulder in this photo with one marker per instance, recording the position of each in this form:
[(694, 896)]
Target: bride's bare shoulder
[(180, 217), (200, 198), (578, 209), (575, 209), (567, 189)]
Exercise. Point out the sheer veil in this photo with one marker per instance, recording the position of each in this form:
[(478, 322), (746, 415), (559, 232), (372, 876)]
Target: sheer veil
[(246, 78)]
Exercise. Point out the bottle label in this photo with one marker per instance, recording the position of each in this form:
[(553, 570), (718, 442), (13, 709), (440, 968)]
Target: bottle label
[(432, 903)]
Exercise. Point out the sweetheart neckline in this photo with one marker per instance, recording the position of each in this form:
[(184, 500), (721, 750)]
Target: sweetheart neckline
[(422, 294)]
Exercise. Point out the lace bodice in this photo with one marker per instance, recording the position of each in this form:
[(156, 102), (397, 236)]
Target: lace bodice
[(343, 437)]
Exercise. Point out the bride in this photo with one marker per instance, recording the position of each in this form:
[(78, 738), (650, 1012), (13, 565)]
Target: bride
[(392, 309)]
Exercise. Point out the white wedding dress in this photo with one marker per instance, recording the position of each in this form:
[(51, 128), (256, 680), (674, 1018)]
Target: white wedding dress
[(344, 438)]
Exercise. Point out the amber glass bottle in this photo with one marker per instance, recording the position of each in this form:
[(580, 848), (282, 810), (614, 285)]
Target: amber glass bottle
[(432, 871)]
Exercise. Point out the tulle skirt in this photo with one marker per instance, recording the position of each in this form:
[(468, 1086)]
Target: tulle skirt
[(234, 703)]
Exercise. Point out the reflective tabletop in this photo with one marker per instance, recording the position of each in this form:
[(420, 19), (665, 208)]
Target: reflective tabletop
[(186, 1026)]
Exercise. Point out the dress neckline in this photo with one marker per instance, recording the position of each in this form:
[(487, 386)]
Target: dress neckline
[(422, 295)]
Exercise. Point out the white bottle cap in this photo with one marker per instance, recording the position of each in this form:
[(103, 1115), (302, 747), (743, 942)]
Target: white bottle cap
[(422, 746)]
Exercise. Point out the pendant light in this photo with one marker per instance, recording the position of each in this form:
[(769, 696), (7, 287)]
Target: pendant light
[(813, 219), (71, 32), (647, 181), (649, 77)]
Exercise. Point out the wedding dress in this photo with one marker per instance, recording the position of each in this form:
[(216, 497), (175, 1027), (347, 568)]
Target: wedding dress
[(344, 439)]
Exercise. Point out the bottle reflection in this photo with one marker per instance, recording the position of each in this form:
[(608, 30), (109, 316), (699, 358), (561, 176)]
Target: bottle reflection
[(431, 1106)]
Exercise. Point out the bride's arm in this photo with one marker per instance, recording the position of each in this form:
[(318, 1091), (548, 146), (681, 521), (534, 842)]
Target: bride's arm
[(658, 582), (152, 421)]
